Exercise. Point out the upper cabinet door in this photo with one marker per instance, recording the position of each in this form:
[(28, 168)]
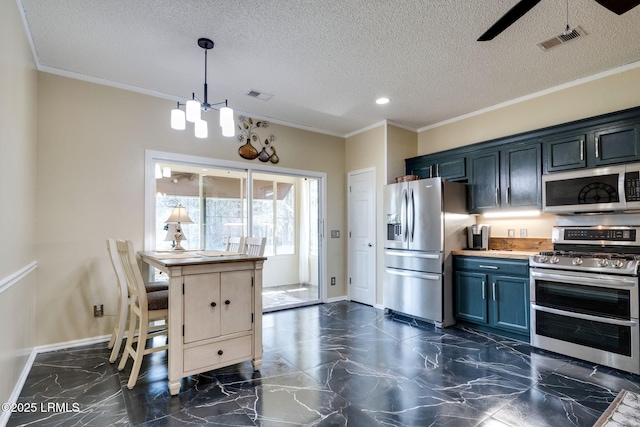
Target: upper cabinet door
[(521, 186), (565, 153), (617, 145), (484, 181), (451, 168)]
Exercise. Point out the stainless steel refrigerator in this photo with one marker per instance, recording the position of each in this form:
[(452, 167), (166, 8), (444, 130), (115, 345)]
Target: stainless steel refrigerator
[(425, 220)]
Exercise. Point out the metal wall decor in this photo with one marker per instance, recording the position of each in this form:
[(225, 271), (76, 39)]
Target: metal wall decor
[(248, 135)]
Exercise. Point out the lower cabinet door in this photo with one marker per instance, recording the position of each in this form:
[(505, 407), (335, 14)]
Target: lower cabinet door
[(471, 303), (510, 303)]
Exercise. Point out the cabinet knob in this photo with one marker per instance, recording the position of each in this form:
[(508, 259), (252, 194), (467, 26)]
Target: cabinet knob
[(227, 302), (220, 352), (213, 304)]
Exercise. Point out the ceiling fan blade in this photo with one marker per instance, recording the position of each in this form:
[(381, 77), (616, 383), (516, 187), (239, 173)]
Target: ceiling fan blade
[(619, 6), (515, 13)]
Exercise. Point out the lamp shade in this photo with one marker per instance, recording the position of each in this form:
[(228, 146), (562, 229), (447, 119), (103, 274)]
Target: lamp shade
[(200, 129), (229, 129), (226, 116), (179, 215), (178, 119), (193, 110)]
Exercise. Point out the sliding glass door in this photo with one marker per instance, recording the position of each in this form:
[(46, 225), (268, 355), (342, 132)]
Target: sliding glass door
[(223, 202)]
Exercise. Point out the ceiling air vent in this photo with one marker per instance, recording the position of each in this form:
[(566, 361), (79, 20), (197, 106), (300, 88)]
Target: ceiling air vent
[(259, 95), (563, 38)]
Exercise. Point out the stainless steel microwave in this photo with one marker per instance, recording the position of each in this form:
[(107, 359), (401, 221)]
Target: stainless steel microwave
[(599, 190)]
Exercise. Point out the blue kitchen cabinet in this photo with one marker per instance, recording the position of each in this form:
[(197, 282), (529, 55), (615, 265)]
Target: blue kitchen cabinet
[(492, 294)]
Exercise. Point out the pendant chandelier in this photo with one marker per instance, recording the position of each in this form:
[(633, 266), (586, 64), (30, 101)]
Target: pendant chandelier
[(194, 107)]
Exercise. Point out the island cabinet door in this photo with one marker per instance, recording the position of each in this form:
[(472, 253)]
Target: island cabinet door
[(202, 307), (236, 295)]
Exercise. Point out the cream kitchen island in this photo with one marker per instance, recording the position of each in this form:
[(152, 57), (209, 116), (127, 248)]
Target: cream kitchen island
[(215, 310)]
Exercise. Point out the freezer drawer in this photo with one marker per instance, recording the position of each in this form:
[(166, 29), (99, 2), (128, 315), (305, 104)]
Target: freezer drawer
[(414, 293), (414, 260)]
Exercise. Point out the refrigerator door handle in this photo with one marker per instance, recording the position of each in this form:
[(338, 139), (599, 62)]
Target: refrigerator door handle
[(405, 216), (413, 215), (415, 274), (413, 254)]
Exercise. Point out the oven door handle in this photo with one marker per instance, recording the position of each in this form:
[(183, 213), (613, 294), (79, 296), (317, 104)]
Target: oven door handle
[(604, 281), (629, 323)]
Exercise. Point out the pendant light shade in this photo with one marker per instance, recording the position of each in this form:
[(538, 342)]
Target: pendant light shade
[(193, 111), (194, 107), (201, 129), (178, 119)]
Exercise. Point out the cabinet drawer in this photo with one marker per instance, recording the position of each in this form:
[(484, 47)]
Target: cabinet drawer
[(492, 265), (208, 354)]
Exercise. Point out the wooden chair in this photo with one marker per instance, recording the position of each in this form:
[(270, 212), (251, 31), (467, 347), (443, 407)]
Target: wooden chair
[(234, 244), (254, 245), (143, 308), (117, 335)]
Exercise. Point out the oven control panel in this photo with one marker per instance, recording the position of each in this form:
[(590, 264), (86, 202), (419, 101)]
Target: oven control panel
[(597, 235), (600, 234)]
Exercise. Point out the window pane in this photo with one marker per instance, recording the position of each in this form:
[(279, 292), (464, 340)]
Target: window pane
[(286, 220)]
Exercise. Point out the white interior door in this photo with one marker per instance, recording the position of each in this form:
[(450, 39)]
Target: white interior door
[(362, 236)]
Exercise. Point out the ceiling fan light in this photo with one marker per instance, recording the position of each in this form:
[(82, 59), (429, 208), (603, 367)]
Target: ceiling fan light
[(193, 111), (201, 129), (178, 119)]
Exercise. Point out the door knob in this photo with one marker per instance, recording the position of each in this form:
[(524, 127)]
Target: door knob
[(213, 304), (220, 352), (370, 245), (227, 302)]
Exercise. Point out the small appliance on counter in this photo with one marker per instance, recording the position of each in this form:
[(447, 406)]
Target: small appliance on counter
[(478, 236)]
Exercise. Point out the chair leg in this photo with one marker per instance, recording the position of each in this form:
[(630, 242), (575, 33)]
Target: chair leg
[(137, 359), (128, 347), (118, 333)]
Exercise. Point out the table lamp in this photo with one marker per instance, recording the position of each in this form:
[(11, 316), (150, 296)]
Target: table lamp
[(177, 217), (172, 230)]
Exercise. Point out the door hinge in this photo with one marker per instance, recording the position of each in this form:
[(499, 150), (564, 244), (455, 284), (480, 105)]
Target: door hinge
[(183, 330), (252, 280), (349, 280), (182, 288), (251, 317)]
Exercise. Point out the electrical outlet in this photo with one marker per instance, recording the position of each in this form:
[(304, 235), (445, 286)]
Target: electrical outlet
[(523, 232), (333, 281), (511, 232), (98, 310)]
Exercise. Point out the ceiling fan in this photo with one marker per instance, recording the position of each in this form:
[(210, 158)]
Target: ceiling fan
[(523, 6)]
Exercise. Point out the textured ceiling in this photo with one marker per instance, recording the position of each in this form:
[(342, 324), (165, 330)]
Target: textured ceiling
[(326, 61)]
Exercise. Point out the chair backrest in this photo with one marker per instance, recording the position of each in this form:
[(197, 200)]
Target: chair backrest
[(126, 267), (254, 245), (235, 244), (123, 292)]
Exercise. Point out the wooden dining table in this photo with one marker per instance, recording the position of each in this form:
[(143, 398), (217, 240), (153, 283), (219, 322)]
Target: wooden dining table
[(215, 310)]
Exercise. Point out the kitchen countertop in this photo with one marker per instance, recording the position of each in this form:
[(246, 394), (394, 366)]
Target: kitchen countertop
[(495, 254)]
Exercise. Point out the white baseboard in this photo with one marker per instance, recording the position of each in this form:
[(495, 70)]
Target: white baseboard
[(336, 299)]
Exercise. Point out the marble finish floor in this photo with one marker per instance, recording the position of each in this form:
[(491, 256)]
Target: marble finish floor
[(288, 296), (338, 364)]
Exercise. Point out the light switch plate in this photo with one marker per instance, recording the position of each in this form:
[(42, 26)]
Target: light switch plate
[(335, 234)]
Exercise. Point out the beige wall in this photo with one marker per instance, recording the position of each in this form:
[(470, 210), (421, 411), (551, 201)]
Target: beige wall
[(91, 154), (605, 95), (367, 150), (18, 121), (401, 144)]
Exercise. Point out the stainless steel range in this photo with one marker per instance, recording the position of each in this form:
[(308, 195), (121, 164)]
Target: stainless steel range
[(584, 295)]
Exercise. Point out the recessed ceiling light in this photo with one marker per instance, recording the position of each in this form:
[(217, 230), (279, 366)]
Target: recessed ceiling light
[(382, 101)]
